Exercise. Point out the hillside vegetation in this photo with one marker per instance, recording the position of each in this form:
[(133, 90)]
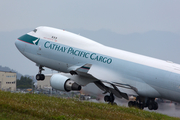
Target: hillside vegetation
[(18, 106), (24, 82)]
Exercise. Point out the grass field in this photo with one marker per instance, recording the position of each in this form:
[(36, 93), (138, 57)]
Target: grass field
[(18, 106)]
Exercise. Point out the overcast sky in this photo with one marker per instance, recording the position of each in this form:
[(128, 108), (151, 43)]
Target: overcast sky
[(118, 16), (121, 16)]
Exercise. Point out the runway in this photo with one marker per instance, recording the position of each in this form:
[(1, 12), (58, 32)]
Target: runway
[(169, 109)]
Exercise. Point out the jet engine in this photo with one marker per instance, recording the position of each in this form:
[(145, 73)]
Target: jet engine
[(63, 83)]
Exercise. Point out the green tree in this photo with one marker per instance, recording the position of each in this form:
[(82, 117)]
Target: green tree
[(24, 82)]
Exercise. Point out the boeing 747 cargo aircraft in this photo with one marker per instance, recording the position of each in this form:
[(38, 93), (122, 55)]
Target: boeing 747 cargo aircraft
[(117, 72)]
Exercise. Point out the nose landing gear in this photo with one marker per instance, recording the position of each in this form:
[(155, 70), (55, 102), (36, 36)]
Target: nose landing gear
[(40, 76)]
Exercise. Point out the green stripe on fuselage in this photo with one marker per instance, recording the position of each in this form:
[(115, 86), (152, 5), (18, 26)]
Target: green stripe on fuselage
[(29, 39)]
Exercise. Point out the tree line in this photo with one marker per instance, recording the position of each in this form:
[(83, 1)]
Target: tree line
[(24, 82)]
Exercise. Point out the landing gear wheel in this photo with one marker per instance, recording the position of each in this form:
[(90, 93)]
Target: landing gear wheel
[(40, 77), (136, 104), (130, 103), (110, 99), (107, 98), (150, 106), (142, 102), (155, 106), (141, 106)]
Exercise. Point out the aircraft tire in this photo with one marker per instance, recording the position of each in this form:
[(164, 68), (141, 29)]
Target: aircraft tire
[(141, 106), (136, 104), (150, 106), (130, 103), (111, 98), (107, 98), (155, 106), (40, 77)]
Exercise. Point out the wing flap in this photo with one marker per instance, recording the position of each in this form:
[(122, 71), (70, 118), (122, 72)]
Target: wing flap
[(105, 75)]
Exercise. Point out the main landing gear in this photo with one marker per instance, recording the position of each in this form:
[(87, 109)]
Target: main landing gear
[(142, 102), (110, 99), (40, 76)]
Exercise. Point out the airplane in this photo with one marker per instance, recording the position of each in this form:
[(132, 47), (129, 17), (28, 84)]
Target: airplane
[(119, 73)]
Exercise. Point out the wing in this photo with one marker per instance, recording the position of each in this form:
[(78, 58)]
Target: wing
[(106, 79)]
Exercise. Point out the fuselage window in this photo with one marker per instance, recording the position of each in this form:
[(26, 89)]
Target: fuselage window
[(34, 30)]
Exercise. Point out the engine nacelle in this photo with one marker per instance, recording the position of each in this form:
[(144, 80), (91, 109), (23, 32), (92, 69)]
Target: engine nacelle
[(63, 83)]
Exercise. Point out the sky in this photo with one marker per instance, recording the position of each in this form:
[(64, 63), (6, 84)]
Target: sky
[(118, 16)]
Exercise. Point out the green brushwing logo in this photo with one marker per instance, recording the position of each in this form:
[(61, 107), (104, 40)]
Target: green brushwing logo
[(36, 41)]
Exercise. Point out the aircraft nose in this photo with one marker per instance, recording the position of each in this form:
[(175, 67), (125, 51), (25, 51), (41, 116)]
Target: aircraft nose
[(19, 44)]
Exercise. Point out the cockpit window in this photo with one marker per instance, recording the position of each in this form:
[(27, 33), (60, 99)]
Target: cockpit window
[(35, 30)]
